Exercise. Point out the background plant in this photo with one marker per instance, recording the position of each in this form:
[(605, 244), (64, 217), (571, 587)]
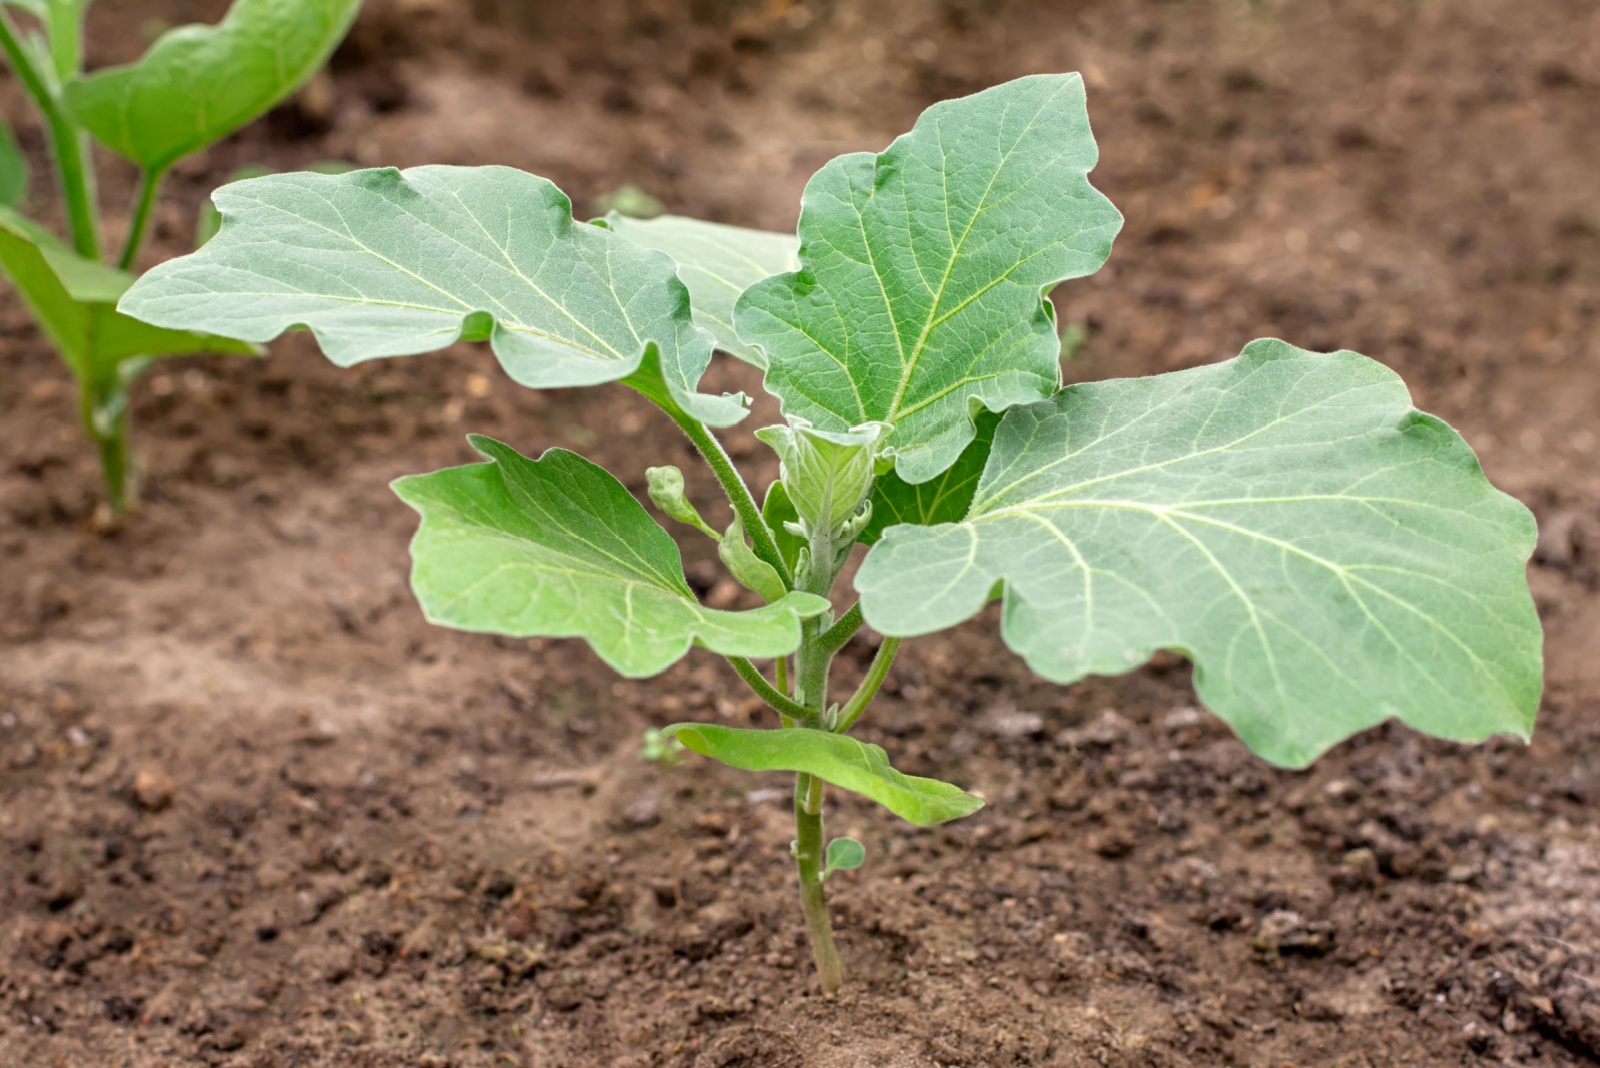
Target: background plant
[(1325, 554), (193, 87)]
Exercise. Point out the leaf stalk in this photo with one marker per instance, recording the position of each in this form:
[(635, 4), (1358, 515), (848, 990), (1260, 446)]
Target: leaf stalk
[(67, 141), (767, 692)]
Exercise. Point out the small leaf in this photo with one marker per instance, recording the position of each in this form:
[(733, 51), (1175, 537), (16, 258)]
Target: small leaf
[(1328, 556), (752, 572), (197, 84), (666, 490), (834, 758), (942, 499), (557, 548), (844, 854), (779, 511), (13, 168), (393, 263), (717, 263), (923, 271), (73, 301)]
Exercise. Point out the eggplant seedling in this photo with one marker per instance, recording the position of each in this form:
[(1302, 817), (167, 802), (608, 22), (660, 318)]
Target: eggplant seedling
[(193, 87), (1326, 555)]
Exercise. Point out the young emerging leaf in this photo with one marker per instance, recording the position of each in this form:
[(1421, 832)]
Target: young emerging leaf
[(394, 263), (717, 263), (74, 302), (826, 474), (197, 84), (923, 271), (557, 548), (666, 490), (834, 758), (1328, 556)]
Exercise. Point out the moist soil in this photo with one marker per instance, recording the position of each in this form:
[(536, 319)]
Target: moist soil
[(255, 812)]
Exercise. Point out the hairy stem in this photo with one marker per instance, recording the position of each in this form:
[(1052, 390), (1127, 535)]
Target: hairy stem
[(744, 505), (774, 696), (809, 847), (66, 141), (834, 638), (877, 671), (149, 189), (811, 690)]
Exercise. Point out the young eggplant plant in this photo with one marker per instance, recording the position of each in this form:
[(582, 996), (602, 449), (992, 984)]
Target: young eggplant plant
[(194, 86), (1326, 555)]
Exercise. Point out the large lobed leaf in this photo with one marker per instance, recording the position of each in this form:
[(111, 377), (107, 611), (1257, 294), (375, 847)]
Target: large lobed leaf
[(717, 263), (393, 263), (557, 547), (197, 84), (923, 270), (838, 759), (1328, 556), (74, 302)]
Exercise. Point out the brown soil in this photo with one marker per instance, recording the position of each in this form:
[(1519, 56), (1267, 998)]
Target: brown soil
[(256, 812)]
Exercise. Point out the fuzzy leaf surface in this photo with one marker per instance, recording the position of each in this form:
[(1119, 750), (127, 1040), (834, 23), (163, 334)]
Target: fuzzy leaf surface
[(197, 84), (921, 290), (838, 759), (1328, 556), (393, 263), (74, 302), (717, 263), (557, 548)]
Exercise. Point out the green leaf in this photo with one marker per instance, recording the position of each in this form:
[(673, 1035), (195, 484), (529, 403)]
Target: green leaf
[(752, 572), (924, 270), (778, 511), (13, 168), (394, 263), (197, 84), (834, 758), (942, 499), (844, 854), (557, 548), (717, 263), (73, 300), (1328, 556)]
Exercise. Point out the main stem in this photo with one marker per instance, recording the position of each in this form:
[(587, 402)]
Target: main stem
[(104, 409), (811, 678)]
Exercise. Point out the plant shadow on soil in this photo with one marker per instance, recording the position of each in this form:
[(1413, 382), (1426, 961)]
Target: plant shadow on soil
[(255, 812)]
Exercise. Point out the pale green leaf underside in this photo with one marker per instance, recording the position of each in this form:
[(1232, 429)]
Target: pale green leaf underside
[(717, 263), (1328, 556), (73, 301), (197, 84), (837, 759), (392, 263), (558, 548), (924, 270)]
